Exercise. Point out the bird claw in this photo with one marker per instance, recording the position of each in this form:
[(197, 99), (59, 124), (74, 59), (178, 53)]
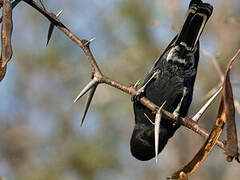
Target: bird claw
[(140, 92), (135, 98), (176, 115), (138, 96)]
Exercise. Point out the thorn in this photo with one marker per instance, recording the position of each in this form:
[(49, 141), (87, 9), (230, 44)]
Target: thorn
[(88, 41), (148, 118), (59, 13), (51, 28), (42, 4), (142, 89), (92, 39), (88, 102), (50, 31), (86, 88), (199, 114), (136, 84), (156, 129)]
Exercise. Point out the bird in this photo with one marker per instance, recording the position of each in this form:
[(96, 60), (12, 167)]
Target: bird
[(170, 81)]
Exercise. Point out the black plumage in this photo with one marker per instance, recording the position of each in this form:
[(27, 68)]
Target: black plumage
[(171, 80)]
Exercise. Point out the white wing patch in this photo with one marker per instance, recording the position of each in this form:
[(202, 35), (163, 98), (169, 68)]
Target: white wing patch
[(173, 54)]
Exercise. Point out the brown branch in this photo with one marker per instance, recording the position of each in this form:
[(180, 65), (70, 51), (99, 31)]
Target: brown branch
[(84, 45)]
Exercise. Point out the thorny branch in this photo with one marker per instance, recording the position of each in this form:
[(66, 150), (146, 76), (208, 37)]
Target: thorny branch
[(100, 78)]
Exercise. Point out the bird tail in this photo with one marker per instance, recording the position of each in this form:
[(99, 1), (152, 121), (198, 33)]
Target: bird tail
[(195, 21)]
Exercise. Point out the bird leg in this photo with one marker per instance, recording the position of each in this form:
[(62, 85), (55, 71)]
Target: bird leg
[(142, 89), (176, 111)]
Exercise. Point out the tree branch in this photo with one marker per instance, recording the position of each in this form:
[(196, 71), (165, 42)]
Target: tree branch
[(97, 74)]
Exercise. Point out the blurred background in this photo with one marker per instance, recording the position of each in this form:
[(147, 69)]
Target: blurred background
[(41, 137)]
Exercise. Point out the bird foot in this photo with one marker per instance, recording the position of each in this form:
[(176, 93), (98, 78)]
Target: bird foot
[(176, 116), (138, 96)]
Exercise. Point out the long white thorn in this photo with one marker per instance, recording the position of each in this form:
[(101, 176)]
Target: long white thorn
[(199, 114), (156, 129), (86, 88), (136, 84), (88, 102), (89, 41), (59, 13), (141, 90)]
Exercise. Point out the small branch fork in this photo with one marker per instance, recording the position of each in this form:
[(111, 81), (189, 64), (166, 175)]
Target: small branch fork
[(98, 77)]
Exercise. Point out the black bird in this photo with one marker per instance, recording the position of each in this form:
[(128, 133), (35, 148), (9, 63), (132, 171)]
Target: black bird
[(171, 80)]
